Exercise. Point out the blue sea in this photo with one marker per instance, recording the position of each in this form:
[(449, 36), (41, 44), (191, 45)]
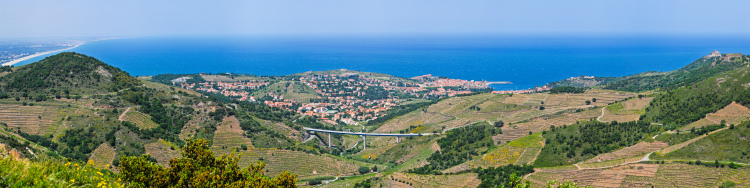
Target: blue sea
[(526, 61)]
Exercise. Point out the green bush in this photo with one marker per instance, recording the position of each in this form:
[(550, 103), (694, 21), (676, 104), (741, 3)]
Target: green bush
[(199, 168), (363, 170)]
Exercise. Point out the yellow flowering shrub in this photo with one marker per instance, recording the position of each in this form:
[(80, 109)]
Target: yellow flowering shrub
[(199, 168)]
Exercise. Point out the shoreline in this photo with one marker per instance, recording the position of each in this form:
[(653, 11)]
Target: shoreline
[(15, 61)]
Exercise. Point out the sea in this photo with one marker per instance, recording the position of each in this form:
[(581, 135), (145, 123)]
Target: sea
[(526, 61)]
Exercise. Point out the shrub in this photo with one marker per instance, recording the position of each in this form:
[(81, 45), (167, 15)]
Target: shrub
[(314, 182), (199, 168), (363, 170)]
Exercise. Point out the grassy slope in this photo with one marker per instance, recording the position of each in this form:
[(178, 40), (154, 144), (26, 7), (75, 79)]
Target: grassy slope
[(691, 73), (684, 105), (726, 145)]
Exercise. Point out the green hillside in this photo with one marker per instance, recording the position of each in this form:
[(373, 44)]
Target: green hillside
[(65, 73), (690, 103), (692, 73), (727, 145)]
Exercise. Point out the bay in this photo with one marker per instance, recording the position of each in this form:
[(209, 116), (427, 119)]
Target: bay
[(526, 61)]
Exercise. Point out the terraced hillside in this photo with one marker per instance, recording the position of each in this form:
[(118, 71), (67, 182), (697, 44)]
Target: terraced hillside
[(141, 120), (723, 145), (647, 175), (520, 151), (733, 113), (629, 110), (610, 177), (303, 164), (26, 118), (229, 134)]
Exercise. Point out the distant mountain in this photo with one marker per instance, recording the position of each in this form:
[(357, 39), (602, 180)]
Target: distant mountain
[(67, 71)]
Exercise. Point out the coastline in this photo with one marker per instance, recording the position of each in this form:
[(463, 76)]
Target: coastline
[(15, 61)]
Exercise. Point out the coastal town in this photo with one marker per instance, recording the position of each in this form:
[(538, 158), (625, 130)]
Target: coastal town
[(348, 98)]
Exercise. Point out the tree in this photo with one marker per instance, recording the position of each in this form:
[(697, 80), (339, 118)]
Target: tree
[(716, 163), (314, 182), (363, 170), (199, 168), (588, 102), (541, 107), (499, 123), (375, 168), (593, 99)]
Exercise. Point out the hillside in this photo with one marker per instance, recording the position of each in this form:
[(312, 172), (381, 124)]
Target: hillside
[(684, 105), (476, 139), (695, 72), (66, 74)]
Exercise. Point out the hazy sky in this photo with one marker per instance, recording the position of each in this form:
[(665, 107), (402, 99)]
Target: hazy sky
[(55, 18)]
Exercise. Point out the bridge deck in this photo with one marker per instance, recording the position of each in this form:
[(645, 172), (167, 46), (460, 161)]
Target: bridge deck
[(360, 133)]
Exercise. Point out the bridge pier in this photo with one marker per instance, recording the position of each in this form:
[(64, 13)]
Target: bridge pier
[(364, 143), (329, 140), (396, 139)]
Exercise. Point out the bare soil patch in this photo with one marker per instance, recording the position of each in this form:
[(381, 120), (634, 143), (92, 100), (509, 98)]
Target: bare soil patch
[(630, 151)]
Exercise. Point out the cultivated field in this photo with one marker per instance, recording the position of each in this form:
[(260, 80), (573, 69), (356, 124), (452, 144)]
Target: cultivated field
[(630, 151), (610, 163), (418, 180), (620, 116), (229, 134), (193, 125), (520, 151), (683, 175), (103, 156), (163, 151), (297, 162), (141, 120), (567, 101), (637, 103), (682, 145), (515, 131), (733, 113), (415, 118), (27, 118), (281, 128), (610, 177)]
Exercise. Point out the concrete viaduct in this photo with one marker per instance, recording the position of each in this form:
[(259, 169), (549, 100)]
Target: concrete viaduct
[(364, 135)]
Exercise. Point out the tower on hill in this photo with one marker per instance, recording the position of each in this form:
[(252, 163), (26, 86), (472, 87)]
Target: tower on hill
[(715, 53)]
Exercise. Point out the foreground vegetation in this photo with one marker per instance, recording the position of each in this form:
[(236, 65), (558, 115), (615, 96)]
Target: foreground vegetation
[(199, 168)]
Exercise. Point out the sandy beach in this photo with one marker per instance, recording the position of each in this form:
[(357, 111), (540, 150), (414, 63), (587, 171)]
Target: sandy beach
[(39, 54)]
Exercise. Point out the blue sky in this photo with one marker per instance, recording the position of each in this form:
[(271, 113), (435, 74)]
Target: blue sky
[(76, 18)]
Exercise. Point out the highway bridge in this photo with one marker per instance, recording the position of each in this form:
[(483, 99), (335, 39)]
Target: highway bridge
[(364, 135)]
